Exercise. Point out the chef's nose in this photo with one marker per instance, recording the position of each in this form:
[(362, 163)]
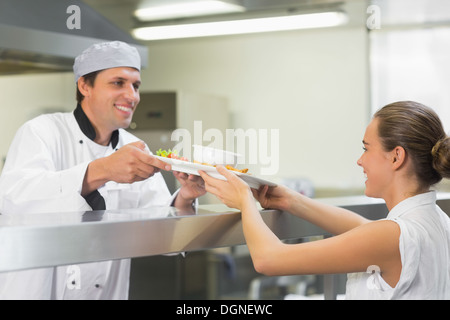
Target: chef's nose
[(131, 93)]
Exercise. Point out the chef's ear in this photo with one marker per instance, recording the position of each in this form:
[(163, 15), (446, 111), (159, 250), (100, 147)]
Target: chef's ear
[(84, 87)]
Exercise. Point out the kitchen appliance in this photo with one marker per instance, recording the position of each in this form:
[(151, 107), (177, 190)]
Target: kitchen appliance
[(37, 36)]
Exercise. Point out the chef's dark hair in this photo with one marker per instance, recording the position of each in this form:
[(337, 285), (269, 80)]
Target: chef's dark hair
[(418, 129), (90, 79)]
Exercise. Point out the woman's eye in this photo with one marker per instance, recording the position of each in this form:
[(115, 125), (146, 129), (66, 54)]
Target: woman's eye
[(365, 149)]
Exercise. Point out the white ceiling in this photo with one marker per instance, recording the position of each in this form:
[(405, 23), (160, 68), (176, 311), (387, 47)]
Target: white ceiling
[(411, 12), (120, 12), (393, 12)]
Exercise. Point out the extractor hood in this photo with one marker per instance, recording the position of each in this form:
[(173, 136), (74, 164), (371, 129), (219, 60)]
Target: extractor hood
[(35, 36)]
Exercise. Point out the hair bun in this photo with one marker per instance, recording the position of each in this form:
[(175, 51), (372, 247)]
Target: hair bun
[(436, 149), (441, 156)]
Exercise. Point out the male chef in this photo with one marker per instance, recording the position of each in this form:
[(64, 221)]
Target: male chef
[(85, 160)]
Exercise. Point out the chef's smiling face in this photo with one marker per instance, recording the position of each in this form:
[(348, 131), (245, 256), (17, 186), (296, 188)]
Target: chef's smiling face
[(376, 163), (113, 98)]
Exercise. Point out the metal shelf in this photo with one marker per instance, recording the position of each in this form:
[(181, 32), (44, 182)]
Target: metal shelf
[(42, 240)]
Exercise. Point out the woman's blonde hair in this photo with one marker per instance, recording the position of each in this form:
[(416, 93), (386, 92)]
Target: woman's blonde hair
[(418, 129)]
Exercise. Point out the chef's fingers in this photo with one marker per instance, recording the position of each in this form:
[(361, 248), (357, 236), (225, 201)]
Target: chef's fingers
[(146, 171), (139, 144), (262, 192), (144, 166), (137, 150), (180, 175), (150, 160), (195, 178), (255, 193)]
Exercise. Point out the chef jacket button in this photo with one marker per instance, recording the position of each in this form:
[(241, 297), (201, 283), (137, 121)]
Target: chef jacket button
[(81, 141), (97, 285)]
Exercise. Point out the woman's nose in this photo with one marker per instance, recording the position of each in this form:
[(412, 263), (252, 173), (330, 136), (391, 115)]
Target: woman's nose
[(359, 161)]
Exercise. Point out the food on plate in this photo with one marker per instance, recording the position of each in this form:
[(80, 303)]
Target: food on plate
[(234, 169), (227, 166), (172, 154)]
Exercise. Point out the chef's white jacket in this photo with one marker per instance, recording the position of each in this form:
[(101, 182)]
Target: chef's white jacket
[(44, 172)]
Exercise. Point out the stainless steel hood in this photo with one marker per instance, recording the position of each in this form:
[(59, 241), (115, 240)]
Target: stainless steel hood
[(35, 38)]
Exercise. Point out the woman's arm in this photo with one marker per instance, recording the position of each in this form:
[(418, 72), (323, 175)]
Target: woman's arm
[(330, 218), (366, 244), (375, 243)]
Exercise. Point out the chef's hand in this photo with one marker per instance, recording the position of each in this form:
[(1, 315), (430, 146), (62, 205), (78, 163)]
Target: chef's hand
[(129, 164), (133, 163), (233, 192), (192, 187)]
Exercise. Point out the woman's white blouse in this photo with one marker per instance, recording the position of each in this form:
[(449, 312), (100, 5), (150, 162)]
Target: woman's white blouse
[(425, 255)]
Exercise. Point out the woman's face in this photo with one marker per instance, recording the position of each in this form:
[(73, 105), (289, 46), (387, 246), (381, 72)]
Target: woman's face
[(376, 162)]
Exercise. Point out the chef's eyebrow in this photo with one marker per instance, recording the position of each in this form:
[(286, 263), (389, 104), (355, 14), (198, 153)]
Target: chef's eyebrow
[(137, 82), (125, 79), (365, 143)]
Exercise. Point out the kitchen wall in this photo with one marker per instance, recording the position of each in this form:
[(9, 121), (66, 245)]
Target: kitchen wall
[(310, 85), (25, 96)]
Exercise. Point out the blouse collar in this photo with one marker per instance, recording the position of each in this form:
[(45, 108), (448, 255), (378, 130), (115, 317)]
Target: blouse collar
[(406, 205)]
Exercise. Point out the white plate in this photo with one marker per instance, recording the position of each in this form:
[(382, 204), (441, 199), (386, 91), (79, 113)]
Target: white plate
[(193, 168)]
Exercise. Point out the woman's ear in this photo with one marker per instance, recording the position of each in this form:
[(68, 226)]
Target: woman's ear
[(398, 157)]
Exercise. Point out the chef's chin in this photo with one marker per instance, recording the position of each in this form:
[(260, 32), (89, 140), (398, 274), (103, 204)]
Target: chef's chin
[(125, 124)]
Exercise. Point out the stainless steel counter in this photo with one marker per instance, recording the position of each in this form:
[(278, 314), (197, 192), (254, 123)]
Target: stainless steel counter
[(42, 240)]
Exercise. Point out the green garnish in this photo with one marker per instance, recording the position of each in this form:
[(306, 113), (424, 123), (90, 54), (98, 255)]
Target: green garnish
[(166, 153)]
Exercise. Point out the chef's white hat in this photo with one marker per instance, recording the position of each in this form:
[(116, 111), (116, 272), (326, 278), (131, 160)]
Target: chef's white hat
[(106, 55)]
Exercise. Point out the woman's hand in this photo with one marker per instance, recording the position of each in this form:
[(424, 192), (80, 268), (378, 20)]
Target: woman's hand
[(273, 197), (233, 192)]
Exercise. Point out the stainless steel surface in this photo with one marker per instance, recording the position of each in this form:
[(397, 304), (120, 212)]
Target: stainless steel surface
[(35, 37), (42, 240)]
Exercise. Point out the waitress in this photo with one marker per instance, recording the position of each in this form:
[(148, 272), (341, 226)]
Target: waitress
[(85, 160), (406, 152)]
